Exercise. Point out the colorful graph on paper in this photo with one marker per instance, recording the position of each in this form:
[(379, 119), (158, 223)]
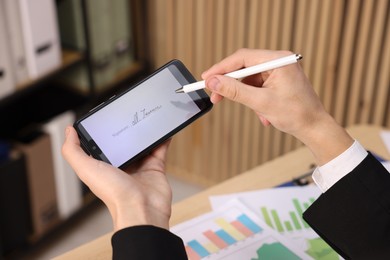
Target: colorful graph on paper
[(234, 232), (281, 209), (294, 220)]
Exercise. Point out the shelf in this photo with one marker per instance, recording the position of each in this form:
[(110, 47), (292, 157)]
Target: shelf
[(129, 72), (69, 58), (28, 88), (36, 101), (124, 78), (36, 107)]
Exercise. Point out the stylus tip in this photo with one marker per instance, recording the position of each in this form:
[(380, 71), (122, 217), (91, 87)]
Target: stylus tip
[(179, 90)]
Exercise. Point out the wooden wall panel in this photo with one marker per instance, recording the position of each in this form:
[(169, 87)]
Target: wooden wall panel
[(381, 106), (346, 50), (372, 63)]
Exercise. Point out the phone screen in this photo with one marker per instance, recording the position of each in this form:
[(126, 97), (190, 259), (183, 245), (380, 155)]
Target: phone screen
[(142, 117)]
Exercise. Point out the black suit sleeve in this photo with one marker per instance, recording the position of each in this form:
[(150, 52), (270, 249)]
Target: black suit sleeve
[(353, 216), (147, 242)]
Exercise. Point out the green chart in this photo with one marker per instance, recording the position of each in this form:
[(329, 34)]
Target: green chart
[(293, 222), (275, 251), (319, 249)]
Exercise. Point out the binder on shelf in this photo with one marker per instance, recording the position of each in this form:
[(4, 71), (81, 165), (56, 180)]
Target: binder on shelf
[(99, 22), (41, 37), (15, 225), (36, 147), (111, 41), (15, 36), (99, 27), (7, 84), (123, 41), (71, 26), (68, 185)]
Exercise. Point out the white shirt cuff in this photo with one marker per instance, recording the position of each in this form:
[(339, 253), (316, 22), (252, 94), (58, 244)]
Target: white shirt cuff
[(330, 173)]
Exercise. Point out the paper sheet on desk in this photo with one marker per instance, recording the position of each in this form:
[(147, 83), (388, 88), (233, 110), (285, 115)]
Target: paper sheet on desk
[(385, 135), (387, 165), (281, 209), (234, 232), (386, 139)]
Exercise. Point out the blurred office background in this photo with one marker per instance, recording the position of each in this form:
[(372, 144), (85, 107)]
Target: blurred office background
[(60, 58)]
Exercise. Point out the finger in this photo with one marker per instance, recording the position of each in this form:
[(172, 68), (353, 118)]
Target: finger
[(71, 149), (242, 58), (74, 154), (263, 120), (215, 98), (235, 90), (154, 161), (161, 151)]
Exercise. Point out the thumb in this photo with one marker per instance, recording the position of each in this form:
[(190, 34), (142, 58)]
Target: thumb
[(71, 143), (71, 150), (233, 89)]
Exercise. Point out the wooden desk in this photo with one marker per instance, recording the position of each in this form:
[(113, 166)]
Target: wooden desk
[(270, 174)]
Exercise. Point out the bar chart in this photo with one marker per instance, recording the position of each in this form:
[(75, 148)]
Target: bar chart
[(281, 209), (234, 231), (228, 234), (294, 222)]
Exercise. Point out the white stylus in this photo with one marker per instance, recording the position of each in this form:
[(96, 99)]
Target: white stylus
[(242, 73)]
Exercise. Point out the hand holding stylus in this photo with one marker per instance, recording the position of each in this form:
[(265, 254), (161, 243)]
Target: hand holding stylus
[(281, 97), (242, 73)]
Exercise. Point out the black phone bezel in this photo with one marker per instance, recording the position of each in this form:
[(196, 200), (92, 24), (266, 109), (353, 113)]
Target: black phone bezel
[(200, 98)]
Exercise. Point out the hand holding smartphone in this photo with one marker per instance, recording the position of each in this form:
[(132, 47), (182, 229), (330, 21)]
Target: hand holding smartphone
[(130, 125)]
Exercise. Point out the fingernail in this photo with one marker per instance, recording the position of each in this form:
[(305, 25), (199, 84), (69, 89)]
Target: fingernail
[(213, 84)]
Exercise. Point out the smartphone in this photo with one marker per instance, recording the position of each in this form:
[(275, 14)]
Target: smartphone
[(130, 125)]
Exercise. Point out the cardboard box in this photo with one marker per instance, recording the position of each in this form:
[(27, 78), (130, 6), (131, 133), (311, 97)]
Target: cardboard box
[(36, 147)]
